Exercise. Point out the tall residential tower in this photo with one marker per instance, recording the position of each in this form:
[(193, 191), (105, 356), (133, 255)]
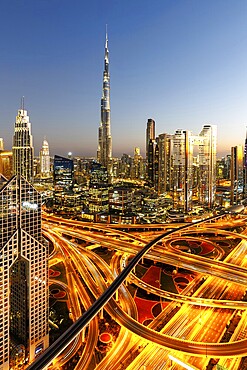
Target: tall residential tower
[(104, 153)]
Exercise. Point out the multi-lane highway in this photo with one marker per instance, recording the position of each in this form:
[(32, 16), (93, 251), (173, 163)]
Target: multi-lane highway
[(198, 324)]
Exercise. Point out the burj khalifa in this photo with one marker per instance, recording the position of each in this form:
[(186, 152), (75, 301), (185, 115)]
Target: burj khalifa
[(104, 153)]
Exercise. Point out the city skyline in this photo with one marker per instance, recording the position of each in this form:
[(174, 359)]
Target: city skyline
[(182, 64)]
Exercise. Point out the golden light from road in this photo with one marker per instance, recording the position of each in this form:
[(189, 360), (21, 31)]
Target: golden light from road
[(191, 326), (179, 362)]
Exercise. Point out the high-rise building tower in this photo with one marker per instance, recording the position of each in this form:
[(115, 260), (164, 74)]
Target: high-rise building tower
[(165, 163), (24, 275), (104, 153), (44, 159), (23, 145), (151, 148), (1, 144), (185, 180), (236, 174), (182, 169), (245, 170), (150, 134), (207, 141)]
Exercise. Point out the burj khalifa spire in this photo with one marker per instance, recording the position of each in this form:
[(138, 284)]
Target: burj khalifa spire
[(104, 153)]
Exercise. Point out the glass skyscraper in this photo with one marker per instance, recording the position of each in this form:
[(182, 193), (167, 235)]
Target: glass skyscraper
[(24, 275), (23, 151), (104, 153)]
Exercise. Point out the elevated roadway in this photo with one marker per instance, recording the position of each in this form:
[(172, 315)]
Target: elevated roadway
[(238, 348)]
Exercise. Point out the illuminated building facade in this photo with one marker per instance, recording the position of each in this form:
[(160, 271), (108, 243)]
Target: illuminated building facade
[(152, 164), (137, 168), (22, 149), (207, 141), (104, 153), (6, 165), (165, 142), (182, 166), (245, 169), (1, 144), (120, 200), (63, 172), (98, 196), (125, 166), (44, 156), (236, 174), (150, 134), (185, 177), (151, 154), (173, 165), (24, 275)]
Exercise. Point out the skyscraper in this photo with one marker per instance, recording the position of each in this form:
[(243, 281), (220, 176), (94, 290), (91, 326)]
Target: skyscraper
[(24, 274), (245, 170), (23, 145), (182, 169), (183, 172), (172, 165), (150, 134), (236, 174), (1, 144), (104, 153), (44, 159), (151, 149), (207, 142), (165, 163)]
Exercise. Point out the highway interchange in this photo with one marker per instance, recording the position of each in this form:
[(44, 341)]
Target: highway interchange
[(199, 316)]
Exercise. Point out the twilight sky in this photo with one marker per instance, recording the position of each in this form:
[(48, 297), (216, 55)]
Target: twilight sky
[(181, 62)]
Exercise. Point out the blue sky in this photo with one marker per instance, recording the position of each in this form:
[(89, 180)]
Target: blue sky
[(181, 62)]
